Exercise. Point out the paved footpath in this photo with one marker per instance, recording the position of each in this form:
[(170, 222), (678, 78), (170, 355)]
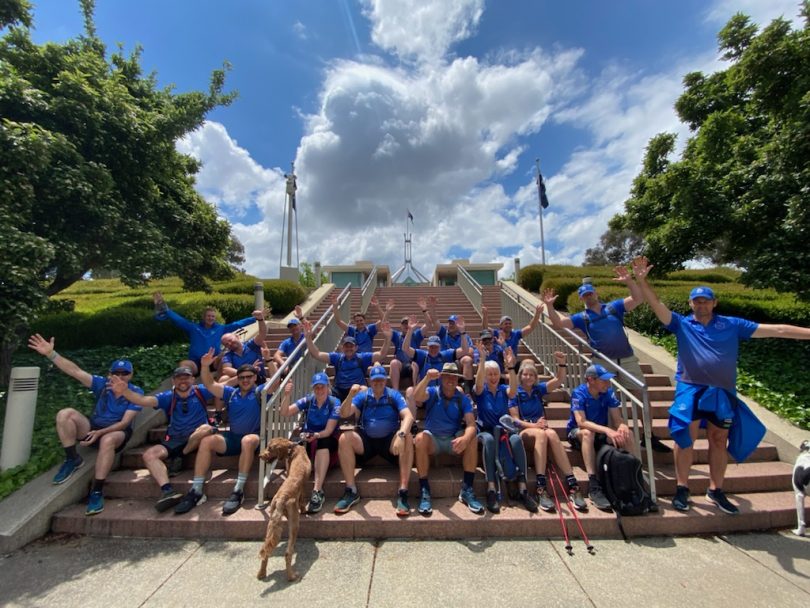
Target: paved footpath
[(737, 570)]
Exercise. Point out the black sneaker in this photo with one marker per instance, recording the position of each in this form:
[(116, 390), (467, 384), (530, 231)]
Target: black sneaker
[(544, 500), (175, 465), (233, 503), (598, 498), (681, 499), (527, 501), (315, 501), (167, 500), (190, 500), (493, 506), (575, 496), (718, 497)]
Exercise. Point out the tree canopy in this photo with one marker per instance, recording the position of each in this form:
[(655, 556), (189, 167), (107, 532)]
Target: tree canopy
[(89, 173), (740, 192)]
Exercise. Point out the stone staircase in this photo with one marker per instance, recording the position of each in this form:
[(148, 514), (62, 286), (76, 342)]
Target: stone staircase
[(760, 486)]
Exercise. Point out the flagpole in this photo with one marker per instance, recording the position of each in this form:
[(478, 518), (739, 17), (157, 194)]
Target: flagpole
[(540, 208)]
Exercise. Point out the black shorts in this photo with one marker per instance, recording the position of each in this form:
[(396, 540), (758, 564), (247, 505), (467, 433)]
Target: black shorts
[(380, 446), (710, 417), (120, 448), (340, 393), (599, 440), (174, 445)]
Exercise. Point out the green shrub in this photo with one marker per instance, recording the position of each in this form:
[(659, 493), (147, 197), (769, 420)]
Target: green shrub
[(531, 277), (564, 288), (704, 276)]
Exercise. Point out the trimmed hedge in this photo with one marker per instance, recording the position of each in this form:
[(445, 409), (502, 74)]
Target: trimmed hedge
[(565, 288), (531, 277)]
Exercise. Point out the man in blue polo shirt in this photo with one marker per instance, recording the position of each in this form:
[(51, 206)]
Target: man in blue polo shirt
[(595, 420), (449, 428), (706, 377), (186, 408), (287, 346), (108, 428), (511, 336), (203, 335), (401, 360), (360, 331), (237, 353), (383, 429)]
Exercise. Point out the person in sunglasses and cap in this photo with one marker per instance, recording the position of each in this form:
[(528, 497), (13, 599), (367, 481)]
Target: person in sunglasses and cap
[(108, 428)]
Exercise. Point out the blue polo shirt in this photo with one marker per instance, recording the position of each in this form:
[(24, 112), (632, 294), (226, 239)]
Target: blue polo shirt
[(189, 412), (379, 417), (244, 411), (417, 336), (442, 416), (288, 346), (365, 338), (595, 408), (450, 341), (200, 337), (350, 371), (496, 355), (530, 404), (316, 417), (491, 406), (426, 362), (708, 355), (397, 338), (605, 331), (109, 409), (251, 352), (512, 340)]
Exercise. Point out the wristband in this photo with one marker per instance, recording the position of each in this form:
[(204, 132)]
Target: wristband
[(53, 355), (562, 365), (424, 310)]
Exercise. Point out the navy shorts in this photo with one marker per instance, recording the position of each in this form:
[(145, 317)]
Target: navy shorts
[(379, 446), (233, 444), (599, 440), (174, 445), (120, 448)]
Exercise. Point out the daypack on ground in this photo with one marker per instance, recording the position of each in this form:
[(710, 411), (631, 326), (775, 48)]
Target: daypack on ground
[(619, 474)]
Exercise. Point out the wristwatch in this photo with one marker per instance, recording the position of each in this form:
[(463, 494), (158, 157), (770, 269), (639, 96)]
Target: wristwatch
[(401, 434)]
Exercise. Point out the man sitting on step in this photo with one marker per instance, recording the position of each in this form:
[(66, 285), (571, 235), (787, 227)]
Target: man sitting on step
[(287, 346), (362, 333), (383, 429), (236, 352), (186, 409), (595, 420), (511, 336)]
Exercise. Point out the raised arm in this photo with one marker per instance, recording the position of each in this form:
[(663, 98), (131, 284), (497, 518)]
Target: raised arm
[(464, 349), (205, 374), (347, 407), (120, 388), (642, 267), (511, 363), (262, 334), (558, 321), (380, 355), (406, 341), (431, 315), (420, 394), (375, 304), (538, 310), (46, 349), (336, 310), (484, 317), (636, 295), (792, 332), (480, 375), (306, 327), (285, 405), (557, 381)]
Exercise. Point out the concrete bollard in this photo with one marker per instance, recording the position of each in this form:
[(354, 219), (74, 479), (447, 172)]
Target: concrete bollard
[(317, 274), (21, 408), (258, 295), (517, 270)]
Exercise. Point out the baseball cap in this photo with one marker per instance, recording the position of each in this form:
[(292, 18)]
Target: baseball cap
[(450, 369), (404, 320), (182, 371), (348, 340), (587, 288), (486, 334), (320, 378), (293, 321), (434, 340), (121, 365), (377, 373), (452, 318), (505, 318), (598, 372), (701, 292)]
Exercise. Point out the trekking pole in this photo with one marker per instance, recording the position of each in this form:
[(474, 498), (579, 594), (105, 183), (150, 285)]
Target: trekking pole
[(572, 508), (568, 546)]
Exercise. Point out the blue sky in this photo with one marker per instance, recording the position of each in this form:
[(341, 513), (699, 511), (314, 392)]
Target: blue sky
[(440, 107)]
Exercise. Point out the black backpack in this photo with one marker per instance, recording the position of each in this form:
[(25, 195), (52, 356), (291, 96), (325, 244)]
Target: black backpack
[(619, 474)]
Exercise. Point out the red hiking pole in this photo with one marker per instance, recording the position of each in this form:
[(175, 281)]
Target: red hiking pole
[(568, 547), (571, 507)]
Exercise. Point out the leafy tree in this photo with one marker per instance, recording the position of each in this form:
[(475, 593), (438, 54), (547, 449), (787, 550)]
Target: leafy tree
[(616, 246), (306, 276), (89, 173), (236, 254), (740, 192)]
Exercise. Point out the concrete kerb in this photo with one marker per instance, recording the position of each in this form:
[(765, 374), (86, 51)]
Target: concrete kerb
[(311, 303)]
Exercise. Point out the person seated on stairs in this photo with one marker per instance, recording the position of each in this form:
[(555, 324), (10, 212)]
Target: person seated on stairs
[(449, 428), (603, 326), (706, 390), (383, 429), (186, 409), (362, 333), (511, 336), (237, 353), (595, 420), (109, 427), (351, 367), (288, 345), (320, 430), (528, 413), (492, 399), (243, 404), (401, 360)]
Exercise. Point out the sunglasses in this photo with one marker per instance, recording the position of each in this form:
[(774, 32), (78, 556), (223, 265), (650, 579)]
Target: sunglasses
[(120, 373), (246, 377)]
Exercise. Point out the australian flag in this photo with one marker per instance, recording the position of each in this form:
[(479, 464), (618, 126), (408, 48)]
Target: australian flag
[(541, 188), (410, 215)]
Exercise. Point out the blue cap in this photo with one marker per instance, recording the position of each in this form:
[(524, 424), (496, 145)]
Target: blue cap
[(598, 372), (452, 318), (701, 292), (121, 365), (377, 373), (293, 321), (587, 288), (320, 378), (434, 340), (348, 340)]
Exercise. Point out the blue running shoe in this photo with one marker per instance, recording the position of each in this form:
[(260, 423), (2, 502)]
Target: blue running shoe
[(425, 504), (67, 469), (468, 498), (95, 503)]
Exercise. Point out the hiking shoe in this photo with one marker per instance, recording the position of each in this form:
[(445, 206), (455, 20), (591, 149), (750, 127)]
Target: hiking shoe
[(347, 501), (233, 503), (468, 498), (175, 465), (493, 505), (544, 500), (718, 497), (315, 501), (527, 501), (575, 496), (95, 503), (403, 508), (425, 504), (67, 469), (189, 501), (681, 499), (167, 500), (598, 498)]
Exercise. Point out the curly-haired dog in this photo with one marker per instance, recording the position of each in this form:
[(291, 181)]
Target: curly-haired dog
[(287, 501), (801, 484)]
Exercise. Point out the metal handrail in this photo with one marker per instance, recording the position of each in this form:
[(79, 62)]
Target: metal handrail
[(542, 344), (326, 334), (369, 287), (470, 287)]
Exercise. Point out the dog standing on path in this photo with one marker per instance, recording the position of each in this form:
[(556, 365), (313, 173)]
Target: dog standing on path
[(801, 484), (287, 501)]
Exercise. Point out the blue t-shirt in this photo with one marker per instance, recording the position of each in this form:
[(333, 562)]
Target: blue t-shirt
[(110, 409), (379, 417), (605, 331), (442, 417), (244, 411), (512, 340), (595, 408), (288, 346), (530, 405), (426, 362), (365, 338), (350, 371), (189, 412), (492, 406), (251, 352), (450, 341), (708, 355), (315, 418), (200, 337)]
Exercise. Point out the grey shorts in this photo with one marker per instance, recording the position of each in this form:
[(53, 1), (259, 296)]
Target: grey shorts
[(443, 443)]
